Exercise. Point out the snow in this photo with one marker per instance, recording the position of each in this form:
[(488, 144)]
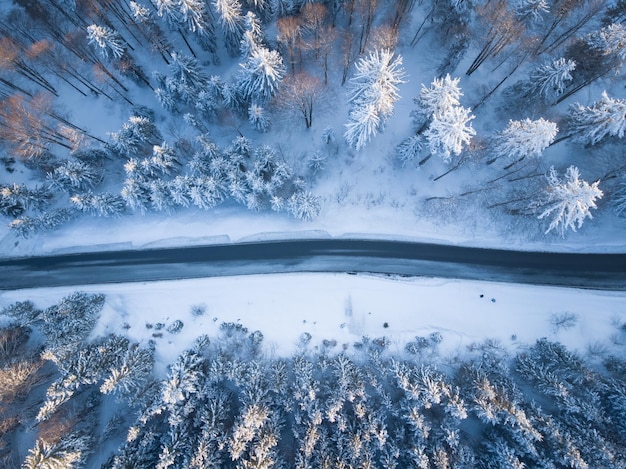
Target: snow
[(345, 308), (365, 194)]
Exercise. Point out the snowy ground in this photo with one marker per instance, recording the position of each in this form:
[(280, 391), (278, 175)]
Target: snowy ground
[(365, 194), (345, 308)]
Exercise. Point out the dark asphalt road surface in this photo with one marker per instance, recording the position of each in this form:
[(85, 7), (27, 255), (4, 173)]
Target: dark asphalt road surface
[(595, 271)]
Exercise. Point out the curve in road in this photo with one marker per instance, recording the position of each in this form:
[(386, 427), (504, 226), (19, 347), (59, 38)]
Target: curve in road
[(596, 271)]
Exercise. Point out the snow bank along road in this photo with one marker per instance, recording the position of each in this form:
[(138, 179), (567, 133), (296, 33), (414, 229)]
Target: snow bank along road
[(597, 271)]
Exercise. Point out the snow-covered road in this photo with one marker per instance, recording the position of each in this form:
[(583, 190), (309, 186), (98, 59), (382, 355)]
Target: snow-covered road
[(597, 271)]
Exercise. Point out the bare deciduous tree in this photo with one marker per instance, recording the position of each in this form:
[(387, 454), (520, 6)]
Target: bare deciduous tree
[(302, 92)]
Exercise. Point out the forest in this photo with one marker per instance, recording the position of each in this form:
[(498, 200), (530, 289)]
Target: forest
[(226, 403), (454, 111), (205, 85)]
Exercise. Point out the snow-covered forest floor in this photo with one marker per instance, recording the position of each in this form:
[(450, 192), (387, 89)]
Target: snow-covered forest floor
[(100, 152)]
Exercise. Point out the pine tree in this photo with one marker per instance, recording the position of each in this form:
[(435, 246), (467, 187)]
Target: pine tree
[(409, 149), (232, 21), (549, 80), (169, 10), (531, 11), (450, 131), (443, 94), (210, 98), (186, 80), (193, 13), (252, 37), (591, 124), (15, 199), (373, 93), (108, 41), (164, 160), (160, 197), (135, 136), (102, 205), (363, 124), (205, 192), (525, 138), (258, 118), (567, 202), (56, 456), (131, 374), (73, 176), (304, 205), (260, 75), (610, 41), (136, 195)]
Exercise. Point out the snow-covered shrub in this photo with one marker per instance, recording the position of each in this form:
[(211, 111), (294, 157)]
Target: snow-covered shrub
[(175, 327)]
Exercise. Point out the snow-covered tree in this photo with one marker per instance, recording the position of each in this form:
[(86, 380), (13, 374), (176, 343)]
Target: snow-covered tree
[(141, 14), (531, 11), (260, 75), (136, 134), (169, 10), (550, 79), (108, 41), (67, 454), (373, 93), (185, 82), (72, 319), (232, 20), (252, 36), (606, 117), (441, 95), (211, 97), (194, 15), (450, 131), (363, 124), (205, 192), (610, 41), (409, 149), (304, 205), (160, 196), (15, 199), (524, 138), (130, 374), (102, 205), (73, 176), (136, 194), (258, 118), (26, 226), (567, 201), (164, 161), (619, 199)]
